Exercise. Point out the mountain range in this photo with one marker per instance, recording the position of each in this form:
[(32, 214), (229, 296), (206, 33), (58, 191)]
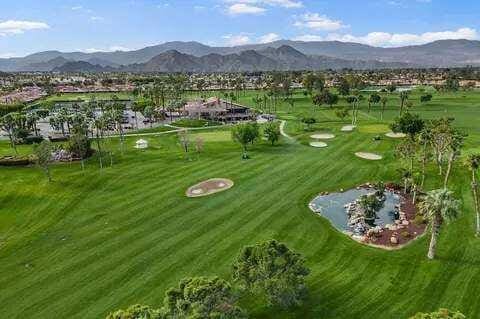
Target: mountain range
[(278, 55)]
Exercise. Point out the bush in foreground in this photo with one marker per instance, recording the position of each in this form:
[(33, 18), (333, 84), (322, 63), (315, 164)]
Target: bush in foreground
[(135, 312), (440, 314), (202, 297), (275, 271)]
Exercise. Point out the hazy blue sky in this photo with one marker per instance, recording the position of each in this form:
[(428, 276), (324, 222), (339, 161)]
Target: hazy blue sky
[(28, 26)]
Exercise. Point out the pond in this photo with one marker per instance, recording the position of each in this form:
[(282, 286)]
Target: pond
[(332, 207)]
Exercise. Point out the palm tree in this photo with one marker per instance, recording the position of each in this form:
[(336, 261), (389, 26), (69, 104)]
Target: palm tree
[(384, 102), (100, 124), (425, 139), (403, 99), (438, 206), (473, 163), (455, 146)]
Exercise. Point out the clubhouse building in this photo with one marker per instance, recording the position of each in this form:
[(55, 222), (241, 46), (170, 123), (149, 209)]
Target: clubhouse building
[(215, 109)]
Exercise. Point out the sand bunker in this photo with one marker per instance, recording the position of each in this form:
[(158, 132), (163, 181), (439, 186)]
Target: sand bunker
[(318, 144), (348, 128), (368, 156), (324, 136), (209, 187), (395, 135)]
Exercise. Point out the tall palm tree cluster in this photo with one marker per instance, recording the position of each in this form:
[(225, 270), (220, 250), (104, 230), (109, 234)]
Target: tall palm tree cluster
[(438, 142), (94, 118)]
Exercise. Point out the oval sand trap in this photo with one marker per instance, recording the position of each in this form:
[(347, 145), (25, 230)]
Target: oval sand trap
[(209, 187), (348, 128), (395, 135), (368, 156), (324, 136), (318, 144)]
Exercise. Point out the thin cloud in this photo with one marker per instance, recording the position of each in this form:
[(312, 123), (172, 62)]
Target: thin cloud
[(97, 18), (318, 22), (11, 27), (308, 38), (386, 39), (237, 7), (267, 38), (112, 48), (234, 40), (274, 3), (243, 8)]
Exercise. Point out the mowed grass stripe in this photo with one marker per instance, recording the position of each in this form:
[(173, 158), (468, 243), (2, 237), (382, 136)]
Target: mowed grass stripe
[(179, 252), (124, 248)]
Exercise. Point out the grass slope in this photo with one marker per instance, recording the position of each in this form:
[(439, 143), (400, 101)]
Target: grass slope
[(94, 241)]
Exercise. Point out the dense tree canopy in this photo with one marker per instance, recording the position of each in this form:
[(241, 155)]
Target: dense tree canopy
[(135, 312), (201, 297), (408, 123), (440, 314), (244, 134), (325, 97), (273, 270), (272, 132)]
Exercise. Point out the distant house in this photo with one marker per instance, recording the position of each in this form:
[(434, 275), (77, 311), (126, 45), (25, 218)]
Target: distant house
[(215, 109)]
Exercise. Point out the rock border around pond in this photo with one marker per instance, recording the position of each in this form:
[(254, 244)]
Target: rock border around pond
[(369, 156), (392, 236), (209, 187)]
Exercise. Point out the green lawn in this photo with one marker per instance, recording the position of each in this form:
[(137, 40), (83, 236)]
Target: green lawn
[(96, 240)]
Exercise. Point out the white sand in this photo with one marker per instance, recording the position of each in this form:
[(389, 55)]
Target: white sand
[(318, 144), (395, 135), (322, 136), (369, 156), (348, 128)]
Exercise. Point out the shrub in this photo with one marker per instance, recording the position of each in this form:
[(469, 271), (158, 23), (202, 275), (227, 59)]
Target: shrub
[(20, 134), (135, 312), (33, 139), (15, 161), (405, 234), (58, 138), (79, 146), (309, 121), (440, 314), (419, 220)]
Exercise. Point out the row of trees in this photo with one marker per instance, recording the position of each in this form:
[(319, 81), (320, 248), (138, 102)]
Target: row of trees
[(247, 133), (269, 271)]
